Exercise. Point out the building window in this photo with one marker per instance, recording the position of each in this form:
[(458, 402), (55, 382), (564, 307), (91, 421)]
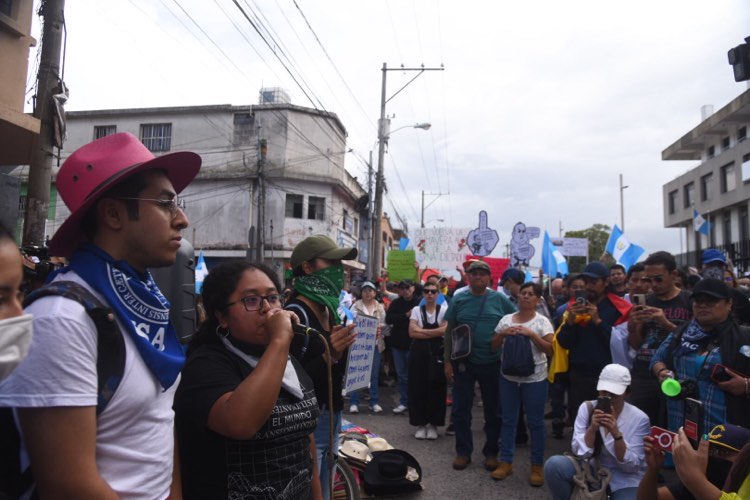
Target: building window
[(104, 130), (6, 7), (316, 208), (157, 136), (725, 143), (746, 168), (672, 201), (294, 206), (727, 227), (728, 182), (356, 227), (741, 134), (744, 223), (706, 181), (689, 190), (711, 151), (244, 128)]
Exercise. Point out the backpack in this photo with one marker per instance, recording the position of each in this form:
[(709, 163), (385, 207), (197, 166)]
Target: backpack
[(110, 365), (518, 360)]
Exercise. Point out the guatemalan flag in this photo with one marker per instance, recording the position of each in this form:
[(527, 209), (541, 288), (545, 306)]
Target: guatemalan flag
[(553, 261), (623, 251), (201, 271), (700, 224)]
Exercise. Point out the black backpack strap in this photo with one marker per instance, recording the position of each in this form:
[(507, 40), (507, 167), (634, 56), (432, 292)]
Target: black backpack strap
[(110, 360)]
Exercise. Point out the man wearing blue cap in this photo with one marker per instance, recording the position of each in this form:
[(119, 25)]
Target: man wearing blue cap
[(588, 332)]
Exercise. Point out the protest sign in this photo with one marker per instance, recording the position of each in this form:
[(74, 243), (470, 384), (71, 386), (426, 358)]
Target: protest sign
[(441, 248), (483, 239), (497, 265), (521, 250), (359, 362), (401, 265)]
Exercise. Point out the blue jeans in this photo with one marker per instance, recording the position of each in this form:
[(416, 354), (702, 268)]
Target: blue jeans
[(533, 395), (374, 381), (559, 472), (465, 375), (321, 446), (401, 360)]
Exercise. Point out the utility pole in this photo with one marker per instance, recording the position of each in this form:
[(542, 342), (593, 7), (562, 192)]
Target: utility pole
[(383, 123), (260, 241), (622, 206), (370, 221), (428, 205), (40, 168)]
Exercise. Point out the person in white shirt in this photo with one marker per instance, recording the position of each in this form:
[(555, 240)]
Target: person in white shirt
[(614, 439)]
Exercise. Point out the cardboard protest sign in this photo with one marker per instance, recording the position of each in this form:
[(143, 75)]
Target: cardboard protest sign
[(497, 267), (482, 240), (361, 352), (441, 248), (521, 250), (401, 265)]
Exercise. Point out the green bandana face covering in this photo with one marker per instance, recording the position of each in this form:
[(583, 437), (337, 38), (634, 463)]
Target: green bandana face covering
[(323, 287)]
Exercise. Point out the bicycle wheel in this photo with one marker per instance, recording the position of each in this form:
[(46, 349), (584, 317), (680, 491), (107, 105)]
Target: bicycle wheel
[(345, 485)]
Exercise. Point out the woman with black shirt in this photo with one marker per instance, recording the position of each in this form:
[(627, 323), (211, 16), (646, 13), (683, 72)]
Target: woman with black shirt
[(245, 410)]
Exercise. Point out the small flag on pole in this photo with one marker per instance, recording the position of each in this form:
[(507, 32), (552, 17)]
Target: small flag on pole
[(553, 261), (201, 271), (623, 251), (700, 224)]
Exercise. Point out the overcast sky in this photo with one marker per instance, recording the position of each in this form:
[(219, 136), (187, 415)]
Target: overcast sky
[(541, 105)]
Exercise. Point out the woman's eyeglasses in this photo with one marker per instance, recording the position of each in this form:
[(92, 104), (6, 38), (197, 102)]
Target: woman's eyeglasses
[(430, 292), (255, 302)]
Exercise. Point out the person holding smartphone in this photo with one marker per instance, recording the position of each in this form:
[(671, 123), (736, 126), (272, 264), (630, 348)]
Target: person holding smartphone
[(614, 437)]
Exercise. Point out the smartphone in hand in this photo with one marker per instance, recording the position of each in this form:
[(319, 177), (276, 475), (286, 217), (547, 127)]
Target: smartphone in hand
[(604, 403), (693, 423), (581, 297), (638, 299), (663, 438), (720, 374)]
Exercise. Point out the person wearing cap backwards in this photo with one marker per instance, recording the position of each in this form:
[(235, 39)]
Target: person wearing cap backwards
[(318, 278), (714, 266), (702, 473), (614, 438), (590, 332), (125, 218), (481, 308), (398, 315), (690, 353), (369, 306)]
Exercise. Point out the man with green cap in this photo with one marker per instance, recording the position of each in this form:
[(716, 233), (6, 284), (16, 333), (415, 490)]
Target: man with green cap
[(318, 278)]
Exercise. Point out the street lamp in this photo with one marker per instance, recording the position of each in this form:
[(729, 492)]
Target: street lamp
[(384, 133)]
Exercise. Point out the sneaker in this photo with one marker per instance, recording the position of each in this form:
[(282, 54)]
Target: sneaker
[(503, 470), (461, 462), (536, 478), (353, 409), (376, 408), (431, 432), (449, 431), (490, 463), (399, 409), (421, 432), (558, 427)]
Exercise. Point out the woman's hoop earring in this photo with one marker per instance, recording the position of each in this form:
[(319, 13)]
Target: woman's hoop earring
[(224, 334)]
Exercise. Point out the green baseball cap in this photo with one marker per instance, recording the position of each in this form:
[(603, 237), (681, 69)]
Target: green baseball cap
[(320, 246)]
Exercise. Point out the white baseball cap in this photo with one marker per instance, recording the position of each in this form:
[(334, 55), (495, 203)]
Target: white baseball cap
[(614, 378)]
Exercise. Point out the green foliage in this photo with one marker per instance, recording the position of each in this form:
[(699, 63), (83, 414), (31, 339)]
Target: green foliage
[(597, 236)]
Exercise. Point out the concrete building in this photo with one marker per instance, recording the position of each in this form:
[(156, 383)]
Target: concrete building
[(18, 131), (718, 187), (272, 175)]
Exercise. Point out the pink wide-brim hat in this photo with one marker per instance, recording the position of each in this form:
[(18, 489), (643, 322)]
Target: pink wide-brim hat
[(99, 165)]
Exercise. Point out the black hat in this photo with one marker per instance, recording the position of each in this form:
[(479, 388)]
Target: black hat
[(404, 283), (514, 274), (712, 287), (392, 472), (595, 270)]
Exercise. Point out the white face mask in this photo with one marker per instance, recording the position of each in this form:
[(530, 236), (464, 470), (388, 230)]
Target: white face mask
[(15, 337)]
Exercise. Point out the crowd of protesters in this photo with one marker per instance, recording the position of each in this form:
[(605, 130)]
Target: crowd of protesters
[(111, 406)]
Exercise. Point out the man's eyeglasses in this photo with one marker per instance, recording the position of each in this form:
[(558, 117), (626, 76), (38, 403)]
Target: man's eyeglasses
[(431, 292), (255, 302), (172, 205), (705, 301)]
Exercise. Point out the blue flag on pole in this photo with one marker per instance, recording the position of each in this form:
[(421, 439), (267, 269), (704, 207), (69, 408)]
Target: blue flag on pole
[(623, 251), (553, 261), (529, 277), (201, 271), (700, 224)]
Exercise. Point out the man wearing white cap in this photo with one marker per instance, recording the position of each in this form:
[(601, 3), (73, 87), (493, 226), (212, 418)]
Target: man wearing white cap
[(614, 436), (125, 217)]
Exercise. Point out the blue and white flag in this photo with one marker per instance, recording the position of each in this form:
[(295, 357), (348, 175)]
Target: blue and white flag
[(700, 224), (553, 261), (201, 271), (529, 277), (624, 252)]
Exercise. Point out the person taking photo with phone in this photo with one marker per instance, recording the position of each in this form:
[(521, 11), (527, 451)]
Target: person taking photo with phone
[(612, 431)]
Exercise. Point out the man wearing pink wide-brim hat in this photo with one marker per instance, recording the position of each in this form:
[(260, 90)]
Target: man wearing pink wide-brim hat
[(88, 438)]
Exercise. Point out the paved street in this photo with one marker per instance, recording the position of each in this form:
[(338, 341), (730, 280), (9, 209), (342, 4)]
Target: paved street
[(435, 457)]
